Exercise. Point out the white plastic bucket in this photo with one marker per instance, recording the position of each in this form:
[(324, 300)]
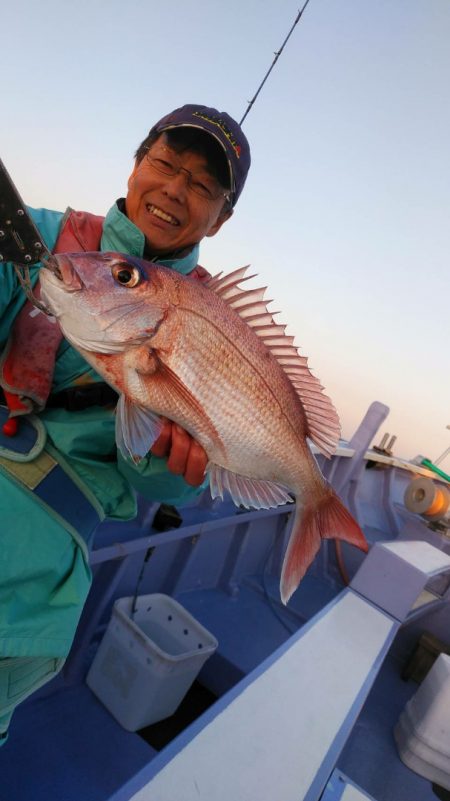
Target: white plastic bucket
[(146, 663)]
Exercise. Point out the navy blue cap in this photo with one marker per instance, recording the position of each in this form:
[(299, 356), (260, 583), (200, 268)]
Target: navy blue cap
[(225, 130)]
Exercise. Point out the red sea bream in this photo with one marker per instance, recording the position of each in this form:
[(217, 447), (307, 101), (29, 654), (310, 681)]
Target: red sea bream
[(210, 357)]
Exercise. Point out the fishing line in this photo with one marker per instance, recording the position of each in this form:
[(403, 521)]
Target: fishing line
[(277, 56), (147, 557), (23, 274)]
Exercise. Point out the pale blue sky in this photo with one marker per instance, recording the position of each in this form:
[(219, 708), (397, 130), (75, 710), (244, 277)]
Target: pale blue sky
[(345, 215)]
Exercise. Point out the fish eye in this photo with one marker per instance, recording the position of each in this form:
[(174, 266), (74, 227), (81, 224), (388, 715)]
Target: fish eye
[(126, 275)]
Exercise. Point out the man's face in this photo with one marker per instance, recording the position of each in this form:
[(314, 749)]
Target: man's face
[(170, 215)]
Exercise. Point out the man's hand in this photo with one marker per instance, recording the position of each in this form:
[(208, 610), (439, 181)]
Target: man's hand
[(186, 457)]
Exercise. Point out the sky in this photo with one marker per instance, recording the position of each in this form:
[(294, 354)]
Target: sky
[(345, 215)]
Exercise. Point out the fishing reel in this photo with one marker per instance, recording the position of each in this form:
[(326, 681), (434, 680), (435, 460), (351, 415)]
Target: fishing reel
[(429, 500)]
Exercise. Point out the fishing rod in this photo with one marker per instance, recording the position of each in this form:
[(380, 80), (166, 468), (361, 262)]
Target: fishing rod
[(277, 56)]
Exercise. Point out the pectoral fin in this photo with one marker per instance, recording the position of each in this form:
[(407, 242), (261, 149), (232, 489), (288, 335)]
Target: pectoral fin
[(136, 429), (180, 404)]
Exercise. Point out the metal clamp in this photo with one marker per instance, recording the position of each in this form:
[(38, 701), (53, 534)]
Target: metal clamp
[(20, 240)]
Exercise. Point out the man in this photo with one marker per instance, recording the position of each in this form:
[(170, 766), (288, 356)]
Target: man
[(60, 473)]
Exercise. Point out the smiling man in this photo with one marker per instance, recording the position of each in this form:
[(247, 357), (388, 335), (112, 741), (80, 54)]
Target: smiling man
[(179, 192), (187, 177)]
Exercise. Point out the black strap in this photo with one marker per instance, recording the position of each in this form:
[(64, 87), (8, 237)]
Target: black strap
[(77, 398)]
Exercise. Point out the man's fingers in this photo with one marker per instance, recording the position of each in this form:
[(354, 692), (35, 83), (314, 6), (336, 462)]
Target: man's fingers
[(186, 457), (161, 446), (179, 451), (196, 464)]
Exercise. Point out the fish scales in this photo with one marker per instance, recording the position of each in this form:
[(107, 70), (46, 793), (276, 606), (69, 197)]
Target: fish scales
[(232, 374), (190, 352)]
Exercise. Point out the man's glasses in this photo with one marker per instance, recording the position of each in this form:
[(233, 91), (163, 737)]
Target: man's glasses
[(205, 186)]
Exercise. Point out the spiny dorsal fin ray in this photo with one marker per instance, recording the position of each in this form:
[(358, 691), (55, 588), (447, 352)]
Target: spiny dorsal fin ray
[(221, 282), (255, 319), (283, 350), (268, 330), (232, 290), (280, 339), (248, 298), (322, 421)]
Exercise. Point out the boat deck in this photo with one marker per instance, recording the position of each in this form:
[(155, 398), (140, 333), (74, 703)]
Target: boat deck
[(64, 745), (67, 747)]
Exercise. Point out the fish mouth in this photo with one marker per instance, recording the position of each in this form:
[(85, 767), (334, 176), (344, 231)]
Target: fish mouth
[(51, 264), (62, 269), (162, 215)]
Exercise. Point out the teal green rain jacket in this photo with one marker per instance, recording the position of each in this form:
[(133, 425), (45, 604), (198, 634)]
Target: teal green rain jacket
[(44, 569)]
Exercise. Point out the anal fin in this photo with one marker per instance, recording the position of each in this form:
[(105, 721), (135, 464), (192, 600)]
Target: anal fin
[(251, 493)]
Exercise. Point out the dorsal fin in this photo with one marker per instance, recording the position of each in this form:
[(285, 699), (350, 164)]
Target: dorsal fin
[(322, 420)]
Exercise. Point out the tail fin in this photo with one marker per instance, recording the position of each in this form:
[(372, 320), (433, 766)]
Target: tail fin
[(328, 519)]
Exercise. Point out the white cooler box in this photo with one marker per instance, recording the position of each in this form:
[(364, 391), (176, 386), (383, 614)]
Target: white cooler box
[(423, 729), (145, 664)]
